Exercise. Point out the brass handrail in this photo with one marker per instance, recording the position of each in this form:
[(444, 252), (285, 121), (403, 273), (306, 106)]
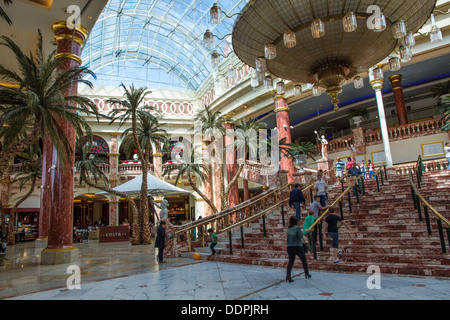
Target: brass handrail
[(425, 202), (205, 221), (228, 211), (351, 185)]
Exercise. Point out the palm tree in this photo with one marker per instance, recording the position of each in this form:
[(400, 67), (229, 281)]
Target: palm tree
[(36, 96), (3, 14), (246, 133), (31, 171), (132, 108), (444, 109), (212, 120), (88, 166), (149, 133), (189, 167)]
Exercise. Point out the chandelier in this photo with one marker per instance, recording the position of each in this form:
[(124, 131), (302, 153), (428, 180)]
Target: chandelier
[(327, 42)]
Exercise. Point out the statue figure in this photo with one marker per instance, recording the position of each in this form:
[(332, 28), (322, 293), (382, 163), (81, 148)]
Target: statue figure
[(324, 144), (164, 213)]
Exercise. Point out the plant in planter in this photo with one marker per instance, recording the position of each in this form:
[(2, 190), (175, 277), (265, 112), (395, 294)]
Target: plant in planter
[(300, 152), (358, 114), (440, 91), (444, 109)]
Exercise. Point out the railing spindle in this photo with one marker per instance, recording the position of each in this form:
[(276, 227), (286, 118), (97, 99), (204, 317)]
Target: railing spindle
[(441, 236)]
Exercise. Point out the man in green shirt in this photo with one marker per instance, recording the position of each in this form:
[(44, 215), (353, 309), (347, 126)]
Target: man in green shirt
[(214, 240), (309, 221)]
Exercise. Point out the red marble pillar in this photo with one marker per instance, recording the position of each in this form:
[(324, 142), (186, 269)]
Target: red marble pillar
[(397, 89), (231, 164), (113, 178), (60, 248), (284, 131)]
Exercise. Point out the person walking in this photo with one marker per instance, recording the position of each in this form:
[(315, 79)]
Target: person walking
[(371, 168), (214, 241), (309, 221), (332, 230), (447, 153), (294, 244), (316, 207), (339, 168), (321, 187), (161, 240), (295, 199)]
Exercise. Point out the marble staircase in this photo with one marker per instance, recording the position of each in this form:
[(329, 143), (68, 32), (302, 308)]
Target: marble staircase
[(385, 231)]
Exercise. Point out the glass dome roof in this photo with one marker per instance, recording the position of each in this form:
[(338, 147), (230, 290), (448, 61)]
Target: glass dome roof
[(157, 43)]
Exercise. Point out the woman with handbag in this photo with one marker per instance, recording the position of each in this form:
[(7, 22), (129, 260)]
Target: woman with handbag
[(295, 248)]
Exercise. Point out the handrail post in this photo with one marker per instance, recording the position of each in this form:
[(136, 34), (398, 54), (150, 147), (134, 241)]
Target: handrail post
[(203, 235), (363, 186), (418, 179), (341, 209), (314, 244), (264, 225), (378, 184), (188, 234), (349, 202), (231, 242), (385, 172), (414, 198), (319, 226), (311, 194), (242, 237), (419, 209), (441, 236), (427, 218), (381, 177), (282, 216)]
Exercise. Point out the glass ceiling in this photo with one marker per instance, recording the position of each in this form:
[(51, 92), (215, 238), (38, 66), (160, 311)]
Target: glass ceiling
[(157, 43)]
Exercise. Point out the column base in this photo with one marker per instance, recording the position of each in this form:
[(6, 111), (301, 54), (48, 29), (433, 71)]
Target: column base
[(59, 256), (41, 243)]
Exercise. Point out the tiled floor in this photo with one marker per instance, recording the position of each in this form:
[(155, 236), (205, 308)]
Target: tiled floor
[(121, 271)]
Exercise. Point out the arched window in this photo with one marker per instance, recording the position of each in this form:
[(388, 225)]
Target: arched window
[(99, 145)]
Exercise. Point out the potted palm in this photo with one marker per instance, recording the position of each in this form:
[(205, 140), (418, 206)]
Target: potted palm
[(358, 114), (440, 91), (300, 152)]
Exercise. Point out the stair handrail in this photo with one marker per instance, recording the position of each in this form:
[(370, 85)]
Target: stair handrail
[(339, 198), (228, 211), (426, 203), (205, 221)]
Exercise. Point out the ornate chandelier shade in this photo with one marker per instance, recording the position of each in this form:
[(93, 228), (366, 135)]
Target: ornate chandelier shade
[(325, 42)]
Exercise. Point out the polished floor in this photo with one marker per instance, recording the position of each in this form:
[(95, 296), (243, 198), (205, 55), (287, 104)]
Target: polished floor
[(112, 271)]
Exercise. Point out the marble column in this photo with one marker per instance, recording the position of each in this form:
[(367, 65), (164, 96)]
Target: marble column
[(397, 89), (284, 131), (113, 178), (231, 164), (60, 248)]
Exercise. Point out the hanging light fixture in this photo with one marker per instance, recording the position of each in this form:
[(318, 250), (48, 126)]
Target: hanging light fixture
[(394, 64), (270, 51), (409, 40), (215, 14), (399, 29), (208, 39), (317, 28), (405, 53), (281, 88), (379, 23), (343, 51), (232, 72), (254, 80), (290, 39), (349, 22), (358, 82), (215, 58), (268, 82), (435, 33), (260, 64), (298, 90)]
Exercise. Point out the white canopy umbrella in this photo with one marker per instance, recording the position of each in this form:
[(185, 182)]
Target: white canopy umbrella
[(155, 187)]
